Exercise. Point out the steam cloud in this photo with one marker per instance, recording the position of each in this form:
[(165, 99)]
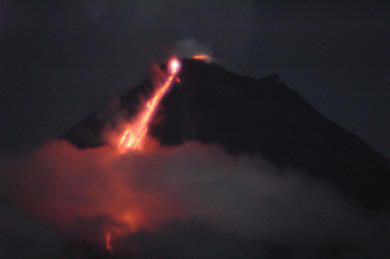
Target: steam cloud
[(191, 199), (186, 48)]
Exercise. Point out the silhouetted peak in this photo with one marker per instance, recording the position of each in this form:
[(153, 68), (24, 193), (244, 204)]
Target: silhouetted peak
[(264, 116)]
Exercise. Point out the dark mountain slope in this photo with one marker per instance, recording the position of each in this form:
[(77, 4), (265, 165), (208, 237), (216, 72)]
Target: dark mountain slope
[(262, 116)]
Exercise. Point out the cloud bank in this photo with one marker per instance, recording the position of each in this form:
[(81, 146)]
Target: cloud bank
[(189, 199)]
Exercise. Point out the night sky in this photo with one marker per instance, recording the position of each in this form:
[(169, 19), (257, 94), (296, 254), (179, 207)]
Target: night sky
[(61, 61)]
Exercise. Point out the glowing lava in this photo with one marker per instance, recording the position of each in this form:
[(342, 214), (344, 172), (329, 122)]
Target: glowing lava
[(204, 57), (134, 134), (108, 240)]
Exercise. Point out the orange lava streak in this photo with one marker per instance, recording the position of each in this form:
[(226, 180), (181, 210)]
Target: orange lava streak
[(201, 57), (133, 136), (108, 240)]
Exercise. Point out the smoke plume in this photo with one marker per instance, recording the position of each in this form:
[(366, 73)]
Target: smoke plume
[(187, 48)]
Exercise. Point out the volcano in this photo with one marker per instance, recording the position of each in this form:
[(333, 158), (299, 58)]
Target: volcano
[(253, 116)]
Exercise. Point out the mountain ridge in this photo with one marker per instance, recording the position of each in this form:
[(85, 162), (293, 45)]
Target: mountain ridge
[(247, 115)]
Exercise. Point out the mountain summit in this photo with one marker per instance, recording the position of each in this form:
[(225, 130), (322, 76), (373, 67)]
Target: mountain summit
[(264, 116)]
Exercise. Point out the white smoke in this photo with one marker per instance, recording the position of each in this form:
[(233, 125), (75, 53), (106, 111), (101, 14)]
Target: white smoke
[(243, 196), (186, 48)]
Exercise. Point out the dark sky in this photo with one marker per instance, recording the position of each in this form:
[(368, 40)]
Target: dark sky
[(62, 60)]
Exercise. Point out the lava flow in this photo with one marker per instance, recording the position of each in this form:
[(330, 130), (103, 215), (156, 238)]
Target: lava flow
[(108, 244), (133, 136)]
